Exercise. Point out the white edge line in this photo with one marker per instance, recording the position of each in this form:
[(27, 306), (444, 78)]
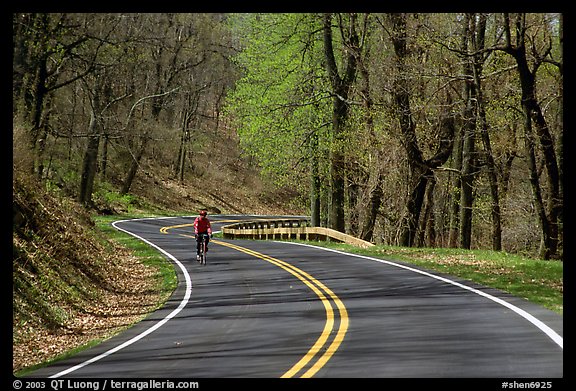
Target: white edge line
[(529, 317), (154, 327)]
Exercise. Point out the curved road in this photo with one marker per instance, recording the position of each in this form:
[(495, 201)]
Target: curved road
[(271, 309)]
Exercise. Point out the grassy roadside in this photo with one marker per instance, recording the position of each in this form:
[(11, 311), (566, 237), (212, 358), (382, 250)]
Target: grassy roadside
[(538, 281), (162, 281), (145, 253)]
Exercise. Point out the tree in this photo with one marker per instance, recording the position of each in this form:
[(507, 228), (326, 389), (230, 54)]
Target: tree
[(281, 104), (90, 162), (421, 170), (478, 43), (99, 94), (341, 83), (356, 113), (469, 141), (49, 54), (549, 216), (376, 172)]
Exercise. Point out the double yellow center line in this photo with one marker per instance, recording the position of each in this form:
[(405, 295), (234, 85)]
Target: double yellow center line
[(328, 299)]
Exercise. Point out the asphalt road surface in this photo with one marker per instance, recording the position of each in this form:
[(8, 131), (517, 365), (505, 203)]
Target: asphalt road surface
[(272, 309)]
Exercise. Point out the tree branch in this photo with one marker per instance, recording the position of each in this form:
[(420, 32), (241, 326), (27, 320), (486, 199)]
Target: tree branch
[(143, 99)]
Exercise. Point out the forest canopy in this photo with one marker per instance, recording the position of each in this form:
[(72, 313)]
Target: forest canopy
[(414, 129)]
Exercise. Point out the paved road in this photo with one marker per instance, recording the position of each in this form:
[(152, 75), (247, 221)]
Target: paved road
[(270, 309)]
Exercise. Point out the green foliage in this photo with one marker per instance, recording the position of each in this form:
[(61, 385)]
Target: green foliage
[(282, 106), (106, 197), (61, 177), (279, 103)]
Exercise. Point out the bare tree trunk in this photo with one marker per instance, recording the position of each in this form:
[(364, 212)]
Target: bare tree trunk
[(367, 232), (340, 88), (315, 196), (90, 163), (427, 229), (104, 159), (408, 129), (420, 169), (315, 184), (183, 148), (376, 193), (456, 188), (467, 179), (550, 216), (39, 93), (356, 177), (493, 179), (134, 167), (478, 42), (42, 136), (468, 144), (536, 189)]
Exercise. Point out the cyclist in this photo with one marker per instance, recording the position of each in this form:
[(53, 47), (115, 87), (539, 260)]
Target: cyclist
[(201, 226)]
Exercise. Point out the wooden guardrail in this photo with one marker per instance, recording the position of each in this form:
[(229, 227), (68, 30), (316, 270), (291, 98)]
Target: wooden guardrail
[(287, 229)]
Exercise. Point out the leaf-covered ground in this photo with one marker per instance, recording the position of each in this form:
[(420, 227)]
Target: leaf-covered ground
[(70, 287)]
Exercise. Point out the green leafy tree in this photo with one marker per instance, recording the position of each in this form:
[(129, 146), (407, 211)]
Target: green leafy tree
[(281, 104)]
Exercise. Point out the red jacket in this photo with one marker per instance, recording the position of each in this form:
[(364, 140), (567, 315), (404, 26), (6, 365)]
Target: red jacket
[(202, 225)]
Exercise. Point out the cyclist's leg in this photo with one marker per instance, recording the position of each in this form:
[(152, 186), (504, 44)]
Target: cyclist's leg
[(198, 244)]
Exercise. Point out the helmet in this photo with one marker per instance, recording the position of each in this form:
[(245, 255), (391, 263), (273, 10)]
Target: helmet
[(203, 213)]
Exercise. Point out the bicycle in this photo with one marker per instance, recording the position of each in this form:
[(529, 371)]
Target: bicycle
[(203, 248)]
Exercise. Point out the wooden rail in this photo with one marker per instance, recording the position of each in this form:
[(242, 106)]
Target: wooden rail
[(287, 229)]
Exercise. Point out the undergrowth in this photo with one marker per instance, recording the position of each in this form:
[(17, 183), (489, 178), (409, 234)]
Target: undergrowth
[(70, 285)]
